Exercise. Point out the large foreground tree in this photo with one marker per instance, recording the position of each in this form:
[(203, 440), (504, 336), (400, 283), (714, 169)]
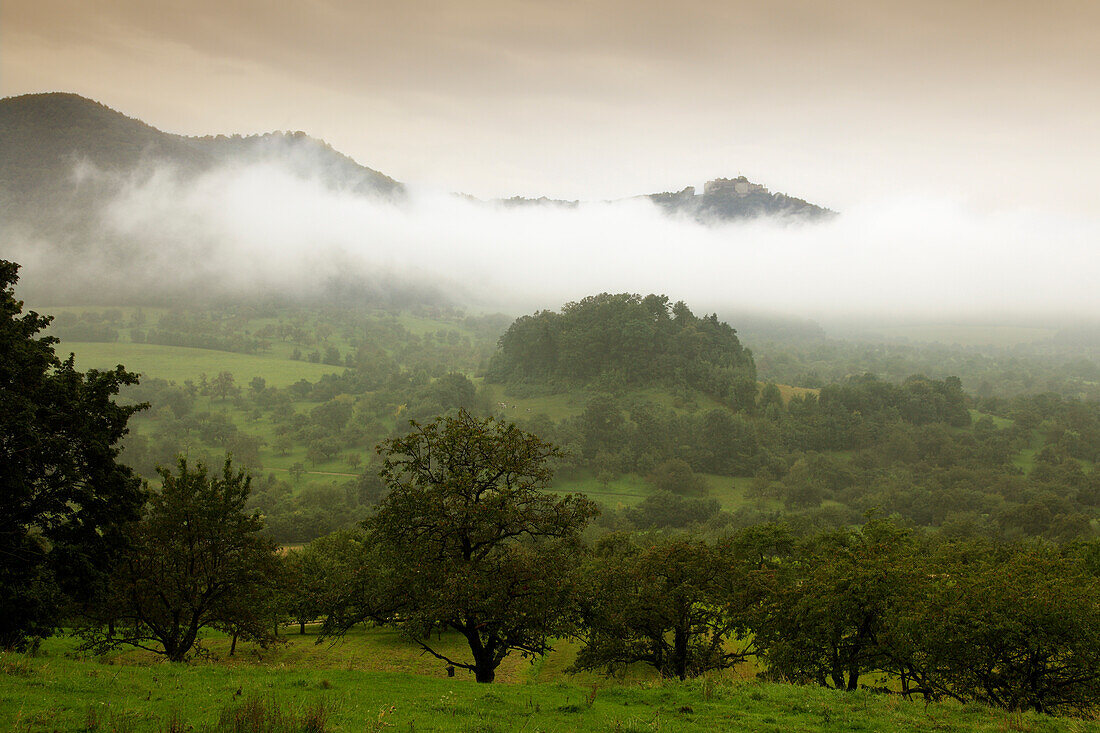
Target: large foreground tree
[(63, 496), (467, 541)]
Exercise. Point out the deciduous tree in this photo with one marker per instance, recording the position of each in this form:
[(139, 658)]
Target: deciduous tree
[(665, 604), (196, 560), (468, 541), (64, 498)]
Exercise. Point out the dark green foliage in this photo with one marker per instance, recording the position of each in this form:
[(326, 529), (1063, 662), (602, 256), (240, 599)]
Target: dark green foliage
[(1006, 625), (623, 341), (672, 604), (196, 560), (826, 611), (63, 497), (1010, 627), (467, 541), (664, 509), (316, 576), (676, 477)]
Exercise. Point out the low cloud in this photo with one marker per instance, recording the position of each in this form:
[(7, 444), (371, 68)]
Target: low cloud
[(261, 228)]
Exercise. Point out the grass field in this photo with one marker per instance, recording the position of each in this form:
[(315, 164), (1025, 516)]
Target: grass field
[(786, 391), (375, 681), (630, 488), (999, 422), (177, 363)]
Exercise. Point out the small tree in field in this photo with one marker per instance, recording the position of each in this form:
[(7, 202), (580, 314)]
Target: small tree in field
[(196, 560), (467, 541)]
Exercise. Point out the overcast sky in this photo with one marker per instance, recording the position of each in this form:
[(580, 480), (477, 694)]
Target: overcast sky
[(991, 104)]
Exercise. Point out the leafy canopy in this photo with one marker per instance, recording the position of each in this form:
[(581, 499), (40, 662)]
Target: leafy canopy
[(196, 560), (468, 541), (625, 340), (63, 496)]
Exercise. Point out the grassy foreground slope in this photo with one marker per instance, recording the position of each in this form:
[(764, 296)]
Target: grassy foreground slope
[(353, 690)]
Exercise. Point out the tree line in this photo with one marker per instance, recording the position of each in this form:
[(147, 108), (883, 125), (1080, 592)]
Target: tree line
[(465, 541)]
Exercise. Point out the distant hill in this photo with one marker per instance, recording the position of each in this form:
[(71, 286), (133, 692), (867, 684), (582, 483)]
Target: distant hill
[(722, 200), (49, 142), (42, 136), (96, 205), (46, 140), (725, 199)]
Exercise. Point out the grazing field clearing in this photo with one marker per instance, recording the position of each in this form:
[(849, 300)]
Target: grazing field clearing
[(557, 407), (786, 391), (374, 681), (629, 489), (419, 325), (178, 363), (998, 422), (625, 490)]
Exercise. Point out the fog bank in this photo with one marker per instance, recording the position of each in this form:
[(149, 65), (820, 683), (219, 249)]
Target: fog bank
[(262, 228)]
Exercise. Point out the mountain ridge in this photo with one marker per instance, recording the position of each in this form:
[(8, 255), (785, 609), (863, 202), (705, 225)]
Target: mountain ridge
[(44, 136)]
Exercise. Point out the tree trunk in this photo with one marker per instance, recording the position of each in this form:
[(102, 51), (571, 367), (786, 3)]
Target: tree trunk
[(233, 645), (484, 673), (837, 671), (302, 628), (853, 675), (680, 652), (485, 667)]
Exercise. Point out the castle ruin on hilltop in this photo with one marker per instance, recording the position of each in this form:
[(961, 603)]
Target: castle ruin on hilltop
[(739, 186)]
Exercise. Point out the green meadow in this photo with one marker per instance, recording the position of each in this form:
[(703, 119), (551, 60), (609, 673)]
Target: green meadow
[(179, 363), (373, 680), (630, 488)]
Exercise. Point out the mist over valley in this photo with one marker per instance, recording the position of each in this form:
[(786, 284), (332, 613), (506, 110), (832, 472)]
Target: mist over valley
[(573, 366)]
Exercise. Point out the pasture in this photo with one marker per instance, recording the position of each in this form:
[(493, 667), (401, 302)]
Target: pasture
[(375, 681), (629, 489), (178, 363)]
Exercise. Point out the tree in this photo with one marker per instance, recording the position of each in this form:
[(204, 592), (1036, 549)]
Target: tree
[(223, 385), (305, 586), (665, 604), (664, 509), (196, 560), (64, 498), (824, 616), (317, 573), (1014, 629), (469, 542), (675, 476)]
